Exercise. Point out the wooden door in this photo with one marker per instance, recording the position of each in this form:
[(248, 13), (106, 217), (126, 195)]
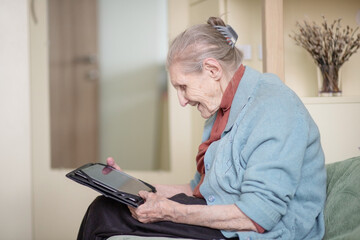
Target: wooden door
[(73, 82)]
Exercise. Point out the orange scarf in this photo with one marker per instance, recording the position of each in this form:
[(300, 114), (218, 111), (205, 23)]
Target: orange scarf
[(219, 124)]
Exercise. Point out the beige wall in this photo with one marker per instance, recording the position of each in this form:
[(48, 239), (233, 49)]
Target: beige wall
[(300, 70), (15, 145), (245, 17), (338, 122)]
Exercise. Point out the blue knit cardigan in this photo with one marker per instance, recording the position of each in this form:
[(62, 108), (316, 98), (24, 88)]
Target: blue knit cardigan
[(269, 162)]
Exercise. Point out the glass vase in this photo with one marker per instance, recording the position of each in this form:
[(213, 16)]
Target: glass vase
[(329, 81)]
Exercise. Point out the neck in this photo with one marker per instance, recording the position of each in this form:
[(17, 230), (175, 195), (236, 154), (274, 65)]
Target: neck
[(225, 80)]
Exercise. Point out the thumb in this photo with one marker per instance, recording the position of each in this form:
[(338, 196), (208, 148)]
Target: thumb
[(144, 194), (111, 162)]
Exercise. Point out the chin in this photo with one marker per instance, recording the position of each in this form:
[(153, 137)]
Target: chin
[(206, 115)]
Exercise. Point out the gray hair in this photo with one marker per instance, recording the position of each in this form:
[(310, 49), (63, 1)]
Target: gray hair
[(202, 41)]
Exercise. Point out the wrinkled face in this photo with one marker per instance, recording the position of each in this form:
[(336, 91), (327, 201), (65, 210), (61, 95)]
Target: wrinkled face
[(197, 89)]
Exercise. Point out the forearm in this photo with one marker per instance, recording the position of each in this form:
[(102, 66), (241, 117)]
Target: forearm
[(171, 190), (223, 217)]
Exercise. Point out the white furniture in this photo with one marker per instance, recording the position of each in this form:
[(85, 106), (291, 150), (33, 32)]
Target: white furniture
[(338, 119)]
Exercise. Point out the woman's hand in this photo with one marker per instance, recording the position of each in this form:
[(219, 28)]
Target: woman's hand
[(155, 209), (111, 162), (158, 208)]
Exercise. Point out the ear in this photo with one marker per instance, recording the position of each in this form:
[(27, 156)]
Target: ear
[(212, 67)]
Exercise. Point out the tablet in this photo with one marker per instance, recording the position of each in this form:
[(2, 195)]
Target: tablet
[(111, 183)]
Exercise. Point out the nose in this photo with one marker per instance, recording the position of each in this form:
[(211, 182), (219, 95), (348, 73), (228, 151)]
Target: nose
[(182, 100)]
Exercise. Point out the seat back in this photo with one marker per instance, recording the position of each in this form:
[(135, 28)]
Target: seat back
[(342, 209)]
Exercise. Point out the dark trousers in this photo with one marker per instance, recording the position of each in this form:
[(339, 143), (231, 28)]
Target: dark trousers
[(106, 217)]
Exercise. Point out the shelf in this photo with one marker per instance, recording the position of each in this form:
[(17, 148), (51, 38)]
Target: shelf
[(330, 100)]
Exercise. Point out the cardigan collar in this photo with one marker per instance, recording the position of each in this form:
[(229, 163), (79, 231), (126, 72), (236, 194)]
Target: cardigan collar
[(247, 85), (243, 94)]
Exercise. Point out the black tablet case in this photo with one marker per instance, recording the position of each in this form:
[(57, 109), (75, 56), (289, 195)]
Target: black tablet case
[(123, 197)]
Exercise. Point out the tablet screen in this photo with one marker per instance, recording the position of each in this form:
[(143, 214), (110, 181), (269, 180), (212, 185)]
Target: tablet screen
[(116, 179)]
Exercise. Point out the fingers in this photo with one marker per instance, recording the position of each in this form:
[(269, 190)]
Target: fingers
[(106, 170), (144, 194), (111, 162), (151, 211), (140, 216), (132, 211)]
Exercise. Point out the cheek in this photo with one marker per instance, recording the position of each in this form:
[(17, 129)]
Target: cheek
[(207, 94), (213, 100), (195, 94), (204, 91)]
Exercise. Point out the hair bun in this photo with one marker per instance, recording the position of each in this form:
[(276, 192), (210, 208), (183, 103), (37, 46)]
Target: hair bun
[(215, 21)]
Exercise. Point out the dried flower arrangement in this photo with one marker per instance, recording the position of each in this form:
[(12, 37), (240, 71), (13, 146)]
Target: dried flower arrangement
[(330, 46)]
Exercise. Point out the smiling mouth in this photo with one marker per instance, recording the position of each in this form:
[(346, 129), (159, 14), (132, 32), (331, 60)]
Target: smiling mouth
[(193, 104)]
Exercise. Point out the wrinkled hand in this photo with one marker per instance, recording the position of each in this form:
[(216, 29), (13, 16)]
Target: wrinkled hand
[(155, 209), (110, 162)]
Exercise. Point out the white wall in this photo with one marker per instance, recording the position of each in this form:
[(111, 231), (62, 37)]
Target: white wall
[(15, 154), (132, 53), (300, 69), (245, 17)]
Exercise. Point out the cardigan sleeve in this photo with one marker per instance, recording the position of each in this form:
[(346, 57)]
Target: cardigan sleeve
[(274, 153)]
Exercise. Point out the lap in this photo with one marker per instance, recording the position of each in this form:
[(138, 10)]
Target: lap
[(106, 217)]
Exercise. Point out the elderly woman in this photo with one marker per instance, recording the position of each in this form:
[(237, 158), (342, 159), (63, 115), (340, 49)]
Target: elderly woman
[(260, 168)]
